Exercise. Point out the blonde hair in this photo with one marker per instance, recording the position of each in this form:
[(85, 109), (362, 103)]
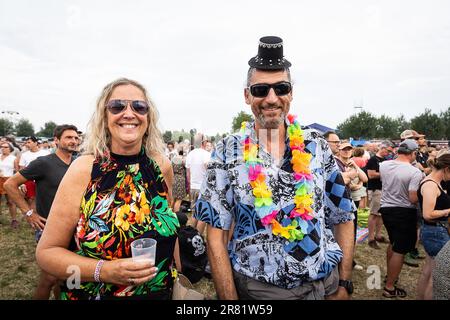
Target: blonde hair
[(98, 137)]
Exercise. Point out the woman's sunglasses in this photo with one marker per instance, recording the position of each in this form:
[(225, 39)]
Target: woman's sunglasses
[(261, 90), (118, 106)]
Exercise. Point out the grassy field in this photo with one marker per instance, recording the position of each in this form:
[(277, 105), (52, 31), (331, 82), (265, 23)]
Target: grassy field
[(19, 271)]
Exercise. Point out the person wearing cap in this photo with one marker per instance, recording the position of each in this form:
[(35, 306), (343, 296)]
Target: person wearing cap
[(354, 176), (400, 181), (280, 187), (420, 163), (422, 153), (354, 179)]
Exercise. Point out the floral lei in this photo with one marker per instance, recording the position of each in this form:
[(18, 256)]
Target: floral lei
[(295, 227)]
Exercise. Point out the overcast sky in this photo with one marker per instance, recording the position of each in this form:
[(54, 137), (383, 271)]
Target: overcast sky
[(391, 57)]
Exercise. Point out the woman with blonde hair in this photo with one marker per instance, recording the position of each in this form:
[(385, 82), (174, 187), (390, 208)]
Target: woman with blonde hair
[(116, 192), (435, 205)]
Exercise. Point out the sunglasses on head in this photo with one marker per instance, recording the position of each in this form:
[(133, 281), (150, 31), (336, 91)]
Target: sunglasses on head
[(261, 90), (118, 106)]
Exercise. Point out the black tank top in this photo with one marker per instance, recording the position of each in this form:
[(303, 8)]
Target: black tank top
[(442, 202)]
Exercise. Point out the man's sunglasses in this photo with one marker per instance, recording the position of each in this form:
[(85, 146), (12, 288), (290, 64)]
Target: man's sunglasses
[(261, 90), (118, 106)]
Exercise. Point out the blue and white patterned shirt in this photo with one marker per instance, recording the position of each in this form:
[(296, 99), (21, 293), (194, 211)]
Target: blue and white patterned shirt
[(226, 197)]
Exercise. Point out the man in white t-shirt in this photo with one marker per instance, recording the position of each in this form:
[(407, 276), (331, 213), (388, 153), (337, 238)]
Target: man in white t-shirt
[(33, 152), (196, 162), (25, 159)]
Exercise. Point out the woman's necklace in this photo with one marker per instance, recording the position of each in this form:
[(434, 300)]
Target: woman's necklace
[(294, 226)]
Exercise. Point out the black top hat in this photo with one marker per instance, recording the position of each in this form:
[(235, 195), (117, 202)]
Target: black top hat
[(270, 55)]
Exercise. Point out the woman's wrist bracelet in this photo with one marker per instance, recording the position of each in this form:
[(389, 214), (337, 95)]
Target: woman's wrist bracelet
[(98, 268)]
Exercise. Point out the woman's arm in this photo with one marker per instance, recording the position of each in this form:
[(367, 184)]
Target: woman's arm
[(167, 172), (52, 254), (430, 192), (361, 174)]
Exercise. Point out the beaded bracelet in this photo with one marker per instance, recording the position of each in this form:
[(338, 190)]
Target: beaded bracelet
[(98, 268)]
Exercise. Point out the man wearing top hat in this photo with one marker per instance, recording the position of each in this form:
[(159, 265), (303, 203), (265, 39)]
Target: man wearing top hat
[(279, 187)]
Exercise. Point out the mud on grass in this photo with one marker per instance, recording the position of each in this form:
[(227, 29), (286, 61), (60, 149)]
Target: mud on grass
[(19, 272)]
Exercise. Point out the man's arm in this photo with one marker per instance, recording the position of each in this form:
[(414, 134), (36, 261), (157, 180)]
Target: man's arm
[(413, 197), (373, 174), (12, 189), (220, 265), (344, 234)]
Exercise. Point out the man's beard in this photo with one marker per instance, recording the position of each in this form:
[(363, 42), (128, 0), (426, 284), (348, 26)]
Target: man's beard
[(68, 149), (273, 123)]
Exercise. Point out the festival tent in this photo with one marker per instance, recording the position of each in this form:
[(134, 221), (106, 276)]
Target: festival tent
[(358, 142), (320, 127)]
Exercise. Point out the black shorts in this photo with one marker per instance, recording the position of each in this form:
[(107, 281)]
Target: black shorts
[(401, 226)]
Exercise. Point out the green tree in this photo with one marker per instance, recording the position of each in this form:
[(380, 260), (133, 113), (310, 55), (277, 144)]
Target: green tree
[(237, 121), (6, 126), (24, 128), (390, 128), (445, 119), (403, 124), (167, 136), (359, 126), (180, 136), (387, 128), (47, 130), (429, 124)]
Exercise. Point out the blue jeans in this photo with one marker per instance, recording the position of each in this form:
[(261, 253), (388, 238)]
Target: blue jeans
[(433, 238)]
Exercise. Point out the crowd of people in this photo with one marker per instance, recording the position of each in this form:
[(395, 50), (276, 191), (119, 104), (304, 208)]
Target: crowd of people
[(276, 202), (395, 195)]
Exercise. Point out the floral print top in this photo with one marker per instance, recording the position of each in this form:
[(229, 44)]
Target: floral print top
[(126, 199)]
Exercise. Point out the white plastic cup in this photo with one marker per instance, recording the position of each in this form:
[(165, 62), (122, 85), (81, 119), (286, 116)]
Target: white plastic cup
[(144, 249)]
